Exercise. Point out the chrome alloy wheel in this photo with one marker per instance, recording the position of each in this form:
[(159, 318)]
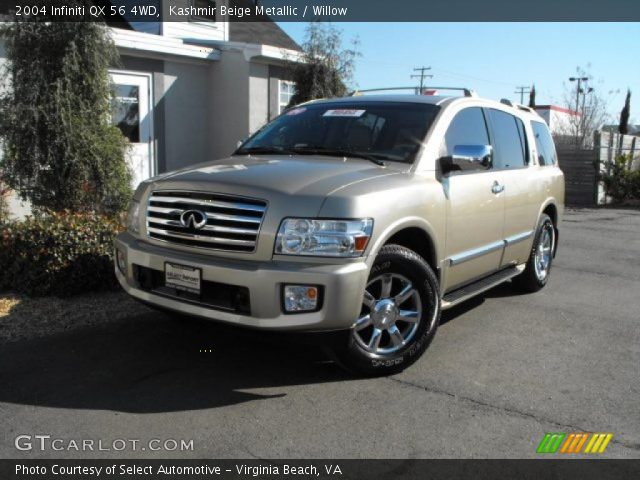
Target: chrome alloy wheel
[(544, 251), (388, 320)]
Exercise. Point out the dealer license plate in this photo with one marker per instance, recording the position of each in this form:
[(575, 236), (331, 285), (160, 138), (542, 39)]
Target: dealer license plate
[(182, 277)]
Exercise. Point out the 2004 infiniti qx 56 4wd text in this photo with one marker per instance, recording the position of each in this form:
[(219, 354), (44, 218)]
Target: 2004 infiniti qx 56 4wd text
[(368, 214)]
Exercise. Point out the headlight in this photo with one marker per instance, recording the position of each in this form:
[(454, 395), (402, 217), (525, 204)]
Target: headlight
[(133, 217), (327, 238)]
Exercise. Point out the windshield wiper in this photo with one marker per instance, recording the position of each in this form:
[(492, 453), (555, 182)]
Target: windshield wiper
[(264, 150), (336, 152)]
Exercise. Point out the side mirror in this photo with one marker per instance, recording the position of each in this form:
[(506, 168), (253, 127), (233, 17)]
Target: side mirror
[(239, 143), (467, 157)]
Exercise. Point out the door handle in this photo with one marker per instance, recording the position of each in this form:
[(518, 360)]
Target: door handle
[(497, 188)]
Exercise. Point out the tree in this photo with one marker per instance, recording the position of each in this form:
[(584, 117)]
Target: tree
[(60, 151), (326, 68), (532, 97), (624, 114), (589, 109)]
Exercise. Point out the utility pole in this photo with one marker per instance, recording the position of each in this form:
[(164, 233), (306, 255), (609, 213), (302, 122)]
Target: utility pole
[(522, 90), (422, 75)]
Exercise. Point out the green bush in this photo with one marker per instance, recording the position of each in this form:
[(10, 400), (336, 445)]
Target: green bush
[(58, 253), (4, 206), (60, 150), (620, 182)]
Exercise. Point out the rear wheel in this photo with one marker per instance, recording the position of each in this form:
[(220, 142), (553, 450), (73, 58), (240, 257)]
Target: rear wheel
[(536, 273), (399, 316)]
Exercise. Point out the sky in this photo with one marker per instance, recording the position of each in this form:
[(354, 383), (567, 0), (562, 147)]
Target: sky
[(496, 58)]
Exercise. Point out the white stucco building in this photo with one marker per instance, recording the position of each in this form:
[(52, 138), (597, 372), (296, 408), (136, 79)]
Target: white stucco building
[(187, 92), (558, 118)]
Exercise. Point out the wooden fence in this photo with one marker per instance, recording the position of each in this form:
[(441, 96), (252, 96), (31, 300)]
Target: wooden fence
[(580, 176), (581, 167)]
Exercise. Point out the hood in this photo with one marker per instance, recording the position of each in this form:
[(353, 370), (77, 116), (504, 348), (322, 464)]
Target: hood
[(263, 176), (292, 186)]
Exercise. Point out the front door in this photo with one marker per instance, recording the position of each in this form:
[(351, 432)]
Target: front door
[(131, 113), (475, 205)]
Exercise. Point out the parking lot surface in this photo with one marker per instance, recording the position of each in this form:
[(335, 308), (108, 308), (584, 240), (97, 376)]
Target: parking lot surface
[(503, 370)]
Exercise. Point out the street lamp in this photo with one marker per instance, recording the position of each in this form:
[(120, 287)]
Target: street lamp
[(579, 90)]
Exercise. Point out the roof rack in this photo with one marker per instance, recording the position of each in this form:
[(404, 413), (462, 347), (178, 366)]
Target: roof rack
[(467, 91), (506, 101)]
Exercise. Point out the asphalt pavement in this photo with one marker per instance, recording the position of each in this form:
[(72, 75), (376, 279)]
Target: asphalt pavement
[(503, 370)]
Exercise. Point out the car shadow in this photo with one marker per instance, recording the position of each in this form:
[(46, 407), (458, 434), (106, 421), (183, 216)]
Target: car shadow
[(151, 363), (501, 291)]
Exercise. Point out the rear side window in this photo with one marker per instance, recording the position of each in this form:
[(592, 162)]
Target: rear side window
[(544, 144), (509, 141), (468, 127)]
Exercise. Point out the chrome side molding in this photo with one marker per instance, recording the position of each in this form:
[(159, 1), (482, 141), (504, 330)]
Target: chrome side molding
[(467, 255), (518, 237), (475, 253)]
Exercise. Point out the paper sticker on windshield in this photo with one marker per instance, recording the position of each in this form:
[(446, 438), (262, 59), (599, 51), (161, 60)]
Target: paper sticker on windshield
[(296, 111), (344, 112)]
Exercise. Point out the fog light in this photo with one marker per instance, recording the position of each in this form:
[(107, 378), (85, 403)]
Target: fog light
[(122, 262), (300, 298)]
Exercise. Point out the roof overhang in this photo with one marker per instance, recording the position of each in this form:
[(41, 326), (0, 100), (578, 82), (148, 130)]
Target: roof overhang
[(147, 45), (253, 51)]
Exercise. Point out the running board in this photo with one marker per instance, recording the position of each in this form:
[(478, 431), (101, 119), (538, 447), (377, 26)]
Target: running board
[(462, 294)]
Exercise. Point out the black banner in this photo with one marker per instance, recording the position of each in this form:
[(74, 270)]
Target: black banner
[(319, 469), (325, 10)]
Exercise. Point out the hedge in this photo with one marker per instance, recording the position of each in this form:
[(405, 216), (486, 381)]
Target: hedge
[(58, 254), (620, 181)]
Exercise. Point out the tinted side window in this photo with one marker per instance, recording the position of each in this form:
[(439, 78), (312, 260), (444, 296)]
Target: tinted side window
[(507, 140), (468, 127), (544, 144)]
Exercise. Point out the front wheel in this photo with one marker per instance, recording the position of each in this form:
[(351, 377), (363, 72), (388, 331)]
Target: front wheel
[(399, 316)]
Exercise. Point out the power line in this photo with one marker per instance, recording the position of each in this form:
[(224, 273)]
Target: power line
[(522, 90), (422, 75)]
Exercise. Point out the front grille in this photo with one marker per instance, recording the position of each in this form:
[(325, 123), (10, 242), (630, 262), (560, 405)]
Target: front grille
[(232, 223), (219, 296)]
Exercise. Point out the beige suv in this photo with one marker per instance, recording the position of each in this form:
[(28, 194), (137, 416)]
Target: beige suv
[(368, 214)]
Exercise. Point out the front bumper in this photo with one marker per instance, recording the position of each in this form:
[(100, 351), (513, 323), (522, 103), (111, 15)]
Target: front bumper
[(342, 285)]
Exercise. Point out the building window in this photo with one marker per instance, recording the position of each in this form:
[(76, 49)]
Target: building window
[(287, 90), (206, 10), (125, 111)]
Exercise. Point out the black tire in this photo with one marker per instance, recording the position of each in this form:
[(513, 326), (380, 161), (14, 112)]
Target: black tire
[(529, 280), (403, 264)]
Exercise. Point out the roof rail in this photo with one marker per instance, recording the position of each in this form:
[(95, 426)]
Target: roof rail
[(467, 91), (525, 108), (506, 101)]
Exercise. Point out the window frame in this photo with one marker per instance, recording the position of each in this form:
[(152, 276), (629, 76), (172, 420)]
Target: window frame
[(532, 123), (489, 138), (527, 147)]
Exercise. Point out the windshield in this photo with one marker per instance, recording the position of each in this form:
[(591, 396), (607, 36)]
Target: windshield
[(377, 131)]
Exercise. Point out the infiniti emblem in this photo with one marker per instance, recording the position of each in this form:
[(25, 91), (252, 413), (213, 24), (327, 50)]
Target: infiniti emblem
[(193, 219)]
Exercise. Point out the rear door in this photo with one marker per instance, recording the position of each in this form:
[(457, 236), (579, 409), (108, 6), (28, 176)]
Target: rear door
[(475, 208), (521, 192)]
